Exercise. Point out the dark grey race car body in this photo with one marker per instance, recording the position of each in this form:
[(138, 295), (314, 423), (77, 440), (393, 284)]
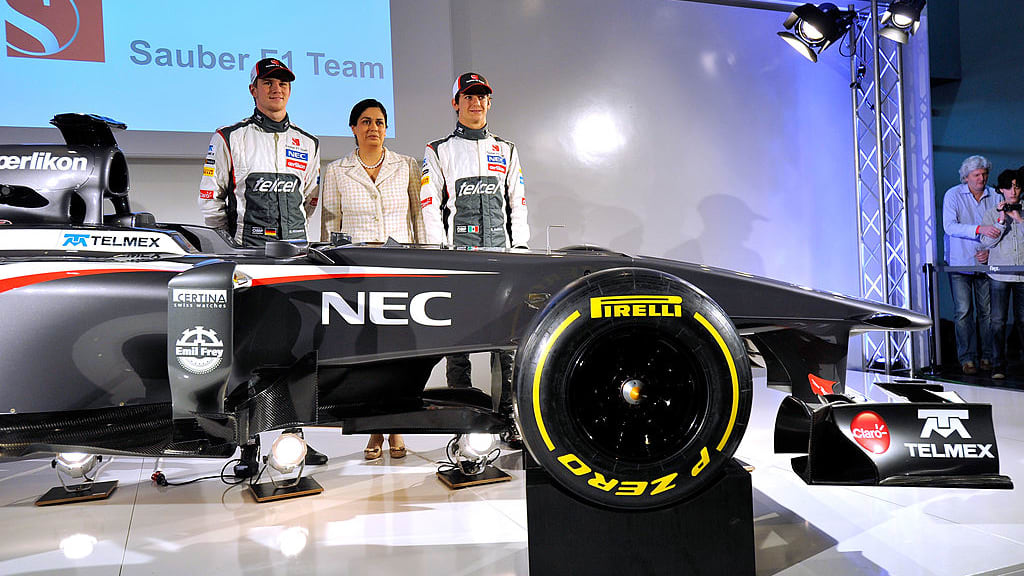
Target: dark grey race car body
[(126, 336)]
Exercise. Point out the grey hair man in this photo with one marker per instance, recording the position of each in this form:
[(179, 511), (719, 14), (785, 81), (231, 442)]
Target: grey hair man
[(963, 210)]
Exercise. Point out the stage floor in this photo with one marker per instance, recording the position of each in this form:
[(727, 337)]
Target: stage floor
[(395, 517)]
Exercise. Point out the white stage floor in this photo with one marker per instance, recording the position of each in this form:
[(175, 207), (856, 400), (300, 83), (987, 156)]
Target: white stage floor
[(395, 517)]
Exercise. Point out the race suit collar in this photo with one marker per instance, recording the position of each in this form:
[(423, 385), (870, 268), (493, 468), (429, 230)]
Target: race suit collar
[(469, 133), (269, 125)]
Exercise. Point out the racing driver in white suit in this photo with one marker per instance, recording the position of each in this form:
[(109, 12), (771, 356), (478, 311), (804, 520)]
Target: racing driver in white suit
[(472, 195)]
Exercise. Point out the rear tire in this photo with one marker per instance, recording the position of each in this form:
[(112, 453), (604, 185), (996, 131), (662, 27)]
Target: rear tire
[(633, 389)]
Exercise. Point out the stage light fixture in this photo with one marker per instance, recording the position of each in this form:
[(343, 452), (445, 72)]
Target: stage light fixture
[(77, 465), (901, 20), (472, 452), (469, 461), (287, 453), (815, 28)]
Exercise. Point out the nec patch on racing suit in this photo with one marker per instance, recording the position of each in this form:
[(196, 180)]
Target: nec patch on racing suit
[(260, 180), (472, 191)]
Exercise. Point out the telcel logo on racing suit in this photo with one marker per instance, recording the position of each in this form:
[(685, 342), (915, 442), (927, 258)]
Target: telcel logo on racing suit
[(945, 423), (382, 303), (267, 183), (634, 305), (44, 161), (476, 185)]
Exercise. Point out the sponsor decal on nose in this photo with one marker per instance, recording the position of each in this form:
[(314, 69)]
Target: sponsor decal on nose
[(871, 432)]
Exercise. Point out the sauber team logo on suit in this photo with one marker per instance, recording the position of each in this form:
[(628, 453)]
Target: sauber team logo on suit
[(55, 29)]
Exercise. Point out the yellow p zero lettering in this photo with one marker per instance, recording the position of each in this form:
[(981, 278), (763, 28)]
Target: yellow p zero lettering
[(635, 305), (732, 373), (631, 488), (574, 464), (704, 460), (664, 484), (600, 483), (536, 379)]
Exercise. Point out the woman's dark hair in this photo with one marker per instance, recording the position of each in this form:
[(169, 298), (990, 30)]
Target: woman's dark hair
[(361, 107), (1006, 178)]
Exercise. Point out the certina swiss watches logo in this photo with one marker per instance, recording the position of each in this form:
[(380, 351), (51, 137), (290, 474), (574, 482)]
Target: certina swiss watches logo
[(55, 29), (385, 308), (947, 425), (199, 350), (44, 161), (636, 305), (195, 298), (870, 431)]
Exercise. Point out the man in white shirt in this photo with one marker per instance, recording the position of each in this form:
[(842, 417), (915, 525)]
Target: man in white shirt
[(963, 209)]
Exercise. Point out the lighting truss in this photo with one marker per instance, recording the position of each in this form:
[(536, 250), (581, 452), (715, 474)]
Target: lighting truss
[(876, 70)]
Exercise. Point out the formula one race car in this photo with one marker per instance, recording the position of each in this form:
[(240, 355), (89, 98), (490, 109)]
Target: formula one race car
[(127, 336)]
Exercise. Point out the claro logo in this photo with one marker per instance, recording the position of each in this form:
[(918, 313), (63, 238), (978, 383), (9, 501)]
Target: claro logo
[(55, 29), (870, 431), (384, 308)]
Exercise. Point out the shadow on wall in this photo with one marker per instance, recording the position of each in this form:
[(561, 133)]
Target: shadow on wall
[(585, 221), (727, 226)]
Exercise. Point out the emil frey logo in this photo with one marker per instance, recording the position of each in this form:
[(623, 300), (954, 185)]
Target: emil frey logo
[(199, 350), (55, 29), (870, 431)]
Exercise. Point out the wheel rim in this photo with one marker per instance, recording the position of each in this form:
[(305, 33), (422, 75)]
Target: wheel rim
[(636, 393)]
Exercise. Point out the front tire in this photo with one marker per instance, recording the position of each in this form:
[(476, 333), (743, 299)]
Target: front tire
[(633, 389)]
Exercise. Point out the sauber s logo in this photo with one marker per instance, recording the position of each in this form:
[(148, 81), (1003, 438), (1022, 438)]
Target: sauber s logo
[(385, 308)]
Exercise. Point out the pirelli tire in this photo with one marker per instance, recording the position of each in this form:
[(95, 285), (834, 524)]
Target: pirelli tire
[(633, 389)]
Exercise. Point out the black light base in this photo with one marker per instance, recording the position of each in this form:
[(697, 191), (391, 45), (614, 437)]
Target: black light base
[(267, 492), (61, 495), (455, 479)]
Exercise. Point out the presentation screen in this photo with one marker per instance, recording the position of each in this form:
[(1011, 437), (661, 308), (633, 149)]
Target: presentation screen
[(184, 66)]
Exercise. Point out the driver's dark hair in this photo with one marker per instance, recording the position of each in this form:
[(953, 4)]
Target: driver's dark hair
[(361, 107), (1006, 178)]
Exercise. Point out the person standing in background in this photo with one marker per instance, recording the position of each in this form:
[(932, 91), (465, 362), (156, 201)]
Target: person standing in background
[(1005, 250), (473, 195), (260, 181), (963, 209), (373, 194), (261, 176)]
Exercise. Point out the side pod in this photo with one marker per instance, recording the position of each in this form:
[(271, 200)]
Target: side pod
[(199, 358), (942, 442)]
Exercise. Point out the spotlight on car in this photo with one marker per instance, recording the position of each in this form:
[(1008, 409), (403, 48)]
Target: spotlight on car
[(76, 465), (475, 448), (815, 28), (288, 452), (901, 20), (469, 461), (287, 455)]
